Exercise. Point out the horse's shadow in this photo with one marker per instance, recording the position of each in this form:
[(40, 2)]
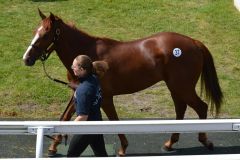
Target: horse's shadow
[(192, 151), (181, 151)]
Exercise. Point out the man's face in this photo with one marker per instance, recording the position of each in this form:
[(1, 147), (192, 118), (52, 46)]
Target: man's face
[(78, 71)]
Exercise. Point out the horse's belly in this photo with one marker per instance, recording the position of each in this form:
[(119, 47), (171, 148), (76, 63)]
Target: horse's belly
[(132, 84)]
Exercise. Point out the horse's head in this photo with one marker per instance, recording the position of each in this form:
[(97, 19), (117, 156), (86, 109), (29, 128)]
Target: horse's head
[(44, 40)]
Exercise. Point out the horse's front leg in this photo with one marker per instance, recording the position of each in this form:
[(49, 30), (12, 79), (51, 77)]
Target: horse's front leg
[(109, 109), (66, 116)]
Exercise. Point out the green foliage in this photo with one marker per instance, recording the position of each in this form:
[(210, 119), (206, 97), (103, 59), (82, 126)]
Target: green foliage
[(26, 91)]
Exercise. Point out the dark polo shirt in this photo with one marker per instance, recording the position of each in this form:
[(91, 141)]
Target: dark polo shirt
[(88, 98)]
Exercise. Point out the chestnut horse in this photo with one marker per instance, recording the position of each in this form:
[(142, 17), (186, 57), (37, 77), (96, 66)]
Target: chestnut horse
[(133, 66)]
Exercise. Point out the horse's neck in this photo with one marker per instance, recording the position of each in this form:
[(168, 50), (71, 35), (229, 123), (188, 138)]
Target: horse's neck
[(73, 42)]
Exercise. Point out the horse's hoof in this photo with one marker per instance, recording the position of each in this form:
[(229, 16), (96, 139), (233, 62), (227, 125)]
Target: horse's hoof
[(167, 149), (210, 146), (121, 152), (52, 153)]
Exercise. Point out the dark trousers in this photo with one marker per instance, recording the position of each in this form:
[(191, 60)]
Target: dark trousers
[(80, 142)]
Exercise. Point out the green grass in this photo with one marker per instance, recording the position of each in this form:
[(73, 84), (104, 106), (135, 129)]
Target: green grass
[(25, 92)]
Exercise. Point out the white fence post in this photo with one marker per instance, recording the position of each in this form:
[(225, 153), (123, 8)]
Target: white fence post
[(40, 131), (39, 142)]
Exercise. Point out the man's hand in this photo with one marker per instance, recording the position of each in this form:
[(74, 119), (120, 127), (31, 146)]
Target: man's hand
[(72, 85), (81, 118)]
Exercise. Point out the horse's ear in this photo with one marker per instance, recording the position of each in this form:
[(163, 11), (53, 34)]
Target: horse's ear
[(41, 14), (52, 17)]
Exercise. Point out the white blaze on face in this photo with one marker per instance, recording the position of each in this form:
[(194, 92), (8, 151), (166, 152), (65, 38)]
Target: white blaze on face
[(33, 42)]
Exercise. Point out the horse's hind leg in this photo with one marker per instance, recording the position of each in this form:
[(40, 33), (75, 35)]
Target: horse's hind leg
[(180, 108), (109, 109), (201, 109)]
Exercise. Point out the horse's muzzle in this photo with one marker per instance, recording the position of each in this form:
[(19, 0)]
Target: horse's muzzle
[(29, 61)]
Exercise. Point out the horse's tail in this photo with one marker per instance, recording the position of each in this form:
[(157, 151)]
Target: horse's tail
[(209, 81)]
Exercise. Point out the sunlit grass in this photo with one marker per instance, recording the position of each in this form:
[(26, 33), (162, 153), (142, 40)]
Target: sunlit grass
[(26, 92)]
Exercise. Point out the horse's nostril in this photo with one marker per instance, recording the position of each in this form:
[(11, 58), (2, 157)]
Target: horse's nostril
[(29, 62)]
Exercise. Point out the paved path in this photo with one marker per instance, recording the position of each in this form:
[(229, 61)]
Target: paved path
[(12, 146)]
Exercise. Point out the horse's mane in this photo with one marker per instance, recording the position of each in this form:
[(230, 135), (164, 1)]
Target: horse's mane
[(47, 22), (73, 26)]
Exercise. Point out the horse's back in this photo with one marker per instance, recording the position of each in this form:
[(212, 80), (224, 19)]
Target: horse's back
[(163, 56)]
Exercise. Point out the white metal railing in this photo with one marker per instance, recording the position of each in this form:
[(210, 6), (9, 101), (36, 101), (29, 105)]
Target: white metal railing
[(237, 4), (41, 128), (185, 157)]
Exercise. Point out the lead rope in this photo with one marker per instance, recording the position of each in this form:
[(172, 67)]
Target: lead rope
[(53, 79)]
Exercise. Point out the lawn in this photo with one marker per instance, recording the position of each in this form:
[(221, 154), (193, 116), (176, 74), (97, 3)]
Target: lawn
[(25, 92)]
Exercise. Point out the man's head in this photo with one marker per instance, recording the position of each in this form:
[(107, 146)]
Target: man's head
[(82, 66)]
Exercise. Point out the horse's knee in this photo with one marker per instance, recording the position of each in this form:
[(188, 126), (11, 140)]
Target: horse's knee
[(203, 110), (200, 107), (109, 109)]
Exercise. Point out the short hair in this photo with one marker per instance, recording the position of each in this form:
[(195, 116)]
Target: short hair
[(85, 62)]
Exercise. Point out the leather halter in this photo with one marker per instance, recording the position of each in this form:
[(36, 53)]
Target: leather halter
[(46, 53)]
